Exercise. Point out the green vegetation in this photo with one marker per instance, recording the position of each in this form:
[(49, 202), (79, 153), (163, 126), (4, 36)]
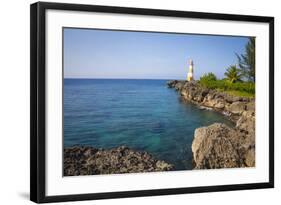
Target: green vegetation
[(237, 88), (233, 84), (208, 77), (233, 74)]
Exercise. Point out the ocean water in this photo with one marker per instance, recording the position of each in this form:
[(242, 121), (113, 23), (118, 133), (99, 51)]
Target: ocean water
[(142, 114)]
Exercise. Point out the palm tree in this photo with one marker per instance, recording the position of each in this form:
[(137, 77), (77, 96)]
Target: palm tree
[(233, 74)]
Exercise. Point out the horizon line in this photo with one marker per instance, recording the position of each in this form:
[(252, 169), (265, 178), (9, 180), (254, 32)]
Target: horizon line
[(65, 78)]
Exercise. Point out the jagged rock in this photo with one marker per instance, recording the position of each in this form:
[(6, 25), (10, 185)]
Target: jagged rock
[(247, 122), (237, 107), (219, 104), (250, 158), (79, 160), (219, 146), (213, 147), (172, 83), (215, 103), (250, 106), (179, 85), (163, 166)]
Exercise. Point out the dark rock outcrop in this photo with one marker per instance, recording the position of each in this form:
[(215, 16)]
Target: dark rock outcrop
[(90, 161), (219, 146)]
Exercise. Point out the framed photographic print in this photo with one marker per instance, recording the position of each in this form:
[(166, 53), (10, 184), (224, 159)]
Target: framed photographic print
[(129, 102)]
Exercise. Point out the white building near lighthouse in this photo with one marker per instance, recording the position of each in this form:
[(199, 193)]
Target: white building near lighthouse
[(190, 75)]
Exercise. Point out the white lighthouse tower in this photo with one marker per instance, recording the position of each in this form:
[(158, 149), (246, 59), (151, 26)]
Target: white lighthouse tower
[(190, 76)]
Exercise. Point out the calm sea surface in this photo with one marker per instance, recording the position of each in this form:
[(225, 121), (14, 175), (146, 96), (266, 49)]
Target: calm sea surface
[(142, 114)]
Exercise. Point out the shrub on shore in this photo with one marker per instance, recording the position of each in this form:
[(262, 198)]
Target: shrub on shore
[(208, 77), (237, 88)]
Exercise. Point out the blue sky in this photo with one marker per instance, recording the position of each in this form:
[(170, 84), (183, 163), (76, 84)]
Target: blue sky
[(91, 53)]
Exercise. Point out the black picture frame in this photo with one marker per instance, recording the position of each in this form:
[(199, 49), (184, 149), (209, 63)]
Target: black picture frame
[(38, 101)]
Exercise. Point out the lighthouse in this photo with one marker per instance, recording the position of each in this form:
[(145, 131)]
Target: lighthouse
[(190, 76)]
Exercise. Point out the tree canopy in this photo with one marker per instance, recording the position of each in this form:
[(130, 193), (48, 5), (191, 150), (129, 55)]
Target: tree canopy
[(247, 62)]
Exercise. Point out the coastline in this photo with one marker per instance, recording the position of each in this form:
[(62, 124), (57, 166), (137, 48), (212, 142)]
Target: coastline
[(217, 145), (204, 98)]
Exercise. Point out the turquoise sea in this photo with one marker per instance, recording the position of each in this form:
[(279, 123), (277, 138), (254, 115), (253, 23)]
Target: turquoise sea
[(142, 114)]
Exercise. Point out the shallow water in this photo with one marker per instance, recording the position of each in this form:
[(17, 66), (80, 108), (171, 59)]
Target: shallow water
[(142, 114)]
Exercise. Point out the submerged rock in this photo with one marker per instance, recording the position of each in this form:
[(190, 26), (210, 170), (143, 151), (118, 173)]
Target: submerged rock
[(90, 161)]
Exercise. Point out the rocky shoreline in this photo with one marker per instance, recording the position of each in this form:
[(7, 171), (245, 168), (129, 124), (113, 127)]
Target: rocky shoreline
[(219, 146), (83, 160), (214, 146)]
